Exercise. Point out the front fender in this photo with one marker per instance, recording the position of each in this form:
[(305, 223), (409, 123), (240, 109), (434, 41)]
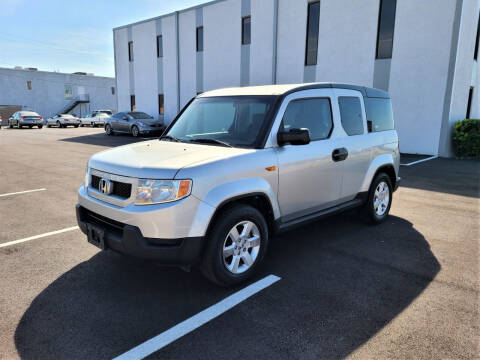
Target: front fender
[(242, 187), (377, 163)]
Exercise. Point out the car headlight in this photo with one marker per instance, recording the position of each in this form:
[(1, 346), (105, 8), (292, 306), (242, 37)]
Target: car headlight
[(161, 191)]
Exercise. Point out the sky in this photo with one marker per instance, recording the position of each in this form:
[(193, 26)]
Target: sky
[(70, 36)]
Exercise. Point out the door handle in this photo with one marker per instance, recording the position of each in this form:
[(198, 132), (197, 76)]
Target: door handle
[(339, 154)]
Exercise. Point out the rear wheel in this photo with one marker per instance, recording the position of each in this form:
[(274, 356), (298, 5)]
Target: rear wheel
[(108, 129), (40, 126), (135, 131), (379, 199), (236, 245), (59, 124)]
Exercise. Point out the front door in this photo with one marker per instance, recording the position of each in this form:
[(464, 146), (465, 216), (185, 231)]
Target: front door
[(309, 179)]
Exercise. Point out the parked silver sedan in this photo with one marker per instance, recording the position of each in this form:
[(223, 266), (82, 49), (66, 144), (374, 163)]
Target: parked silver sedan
[(63, 120), (25, 118), (94, 119), (135, 123)]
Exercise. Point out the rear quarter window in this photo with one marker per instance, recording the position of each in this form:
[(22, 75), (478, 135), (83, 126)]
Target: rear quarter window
[(379, 114)]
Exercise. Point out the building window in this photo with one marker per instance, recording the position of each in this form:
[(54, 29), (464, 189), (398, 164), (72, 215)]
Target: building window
[(29, 84), (130, 51), (386, 27), (200, 38), (113, 90), (132, 102), (475, 55), (469, 105), (161, 104), (351, 115), (246, 30), (313, 22), (159, 46)]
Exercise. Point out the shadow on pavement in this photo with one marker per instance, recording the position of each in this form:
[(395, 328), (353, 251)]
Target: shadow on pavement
[(342, 282), (102, 139), (451, 176)]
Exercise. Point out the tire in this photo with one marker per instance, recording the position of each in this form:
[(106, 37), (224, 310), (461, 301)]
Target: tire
[(379, 200), (76, 126), (59, 124), (216, 263), (30, 126), (40, 126), (134, 131), (10, 125), (108, 129), (19, 126)]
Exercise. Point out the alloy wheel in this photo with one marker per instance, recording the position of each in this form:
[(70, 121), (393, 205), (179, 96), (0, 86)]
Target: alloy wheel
[(381, 198), (241, 247)]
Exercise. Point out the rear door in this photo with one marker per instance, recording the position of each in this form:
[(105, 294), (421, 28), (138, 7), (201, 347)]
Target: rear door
[(309, 179), (354, 138)]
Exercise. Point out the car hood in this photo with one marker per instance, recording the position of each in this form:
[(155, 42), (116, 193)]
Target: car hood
[(157, 159)]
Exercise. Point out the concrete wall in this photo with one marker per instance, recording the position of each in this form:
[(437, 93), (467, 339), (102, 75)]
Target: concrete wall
[(188, 56), (47, 96), (122, 69), (222, 44), (419, 68)]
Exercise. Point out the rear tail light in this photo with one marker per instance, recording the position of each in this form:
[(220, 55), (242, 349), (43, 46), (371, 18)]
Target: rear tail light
[(23, 117), (41, 117)]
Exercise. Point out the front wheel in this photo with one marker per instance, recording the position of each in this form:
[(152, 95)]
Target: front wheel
[(135, 131), (59, 124), (236, 245), (379, 199), (108, 129)]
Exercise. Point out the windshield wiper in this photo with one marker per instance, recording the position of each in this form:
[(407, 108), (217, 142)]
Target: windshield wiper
[(169, 137), (211, 141)]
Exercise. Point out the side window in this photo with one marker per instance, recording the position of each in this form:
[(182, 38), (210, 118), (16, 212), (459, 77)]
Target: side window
[(379, 114), (351, 115), (314, 114)]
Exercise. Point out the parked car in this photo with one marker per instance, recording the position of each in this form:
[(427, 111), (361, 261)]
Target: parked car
[(94, 119), (238, 165), (25, 118), (135, 123), (63, 120), (108, 112)]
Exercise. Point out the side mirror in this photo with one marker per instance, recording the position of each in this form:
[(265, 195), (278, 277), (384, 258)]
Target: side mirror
[(125, 118), (294, 137)]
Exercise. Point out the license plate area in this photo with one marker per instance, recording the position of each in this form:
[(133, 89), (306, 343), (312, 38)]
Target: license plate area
[(96, 236)]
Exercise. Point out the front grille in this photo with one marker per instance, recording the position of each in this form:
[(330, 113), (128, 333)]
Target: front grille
[(120, 189)]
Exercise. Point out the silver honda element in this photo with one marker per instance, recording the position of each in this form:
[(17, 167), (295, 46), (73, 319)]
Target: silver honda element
[(237, 166)]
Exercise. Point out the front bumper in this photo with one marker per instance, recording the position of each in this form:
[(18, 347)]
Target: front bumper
[(128, 240), (151, 129)]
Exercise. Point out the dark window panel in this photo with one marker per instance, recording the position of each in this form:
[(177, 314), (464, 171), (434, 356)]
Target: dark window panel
[(475, 55), (313, 22), (159, 46), (246, 30), (161, 104), (200, 38), (469, 104), (351, 115), (130, 51), (379, 114), (132, 102), (113, 90), (386, 28)]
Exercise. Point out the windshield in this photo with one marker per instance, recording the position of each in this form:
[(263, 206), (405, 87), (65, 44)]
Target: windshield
[(139, 115), (235, 120), (29, 113)]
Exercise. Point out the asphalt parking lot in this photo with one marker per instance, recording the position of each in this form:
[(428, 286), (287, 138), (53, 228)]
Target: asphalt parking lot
[(408, 288)]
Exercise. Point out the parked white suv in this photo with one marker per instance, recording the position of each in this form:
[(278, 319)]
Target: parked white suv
[(237, 165)]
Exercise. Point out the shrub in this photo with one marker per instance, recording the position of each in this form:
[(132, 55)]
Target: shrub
[(466, 138)]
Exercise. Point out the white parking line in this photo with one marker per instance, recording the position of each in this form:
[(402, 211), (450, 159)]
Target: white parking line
[(149, 347), (22, 192), (419, 161), (10, 243)]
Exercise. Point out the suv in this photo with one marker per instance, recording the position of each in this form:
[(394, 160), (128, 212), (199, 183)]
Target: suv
[(238, 165)]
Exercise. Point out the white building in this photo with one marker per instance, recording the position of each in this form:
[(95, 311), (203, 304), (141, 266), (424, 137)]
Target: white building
[(422, 51), (50, 93)]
